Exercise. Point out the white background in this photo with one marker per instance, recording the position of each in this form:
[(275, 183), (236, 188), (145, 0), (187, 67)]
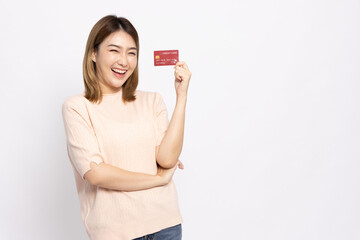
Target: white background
[(272, 136)]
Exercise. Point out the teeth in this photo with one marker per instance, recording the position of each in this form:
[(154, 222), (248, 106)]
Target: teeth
[(118, 71)]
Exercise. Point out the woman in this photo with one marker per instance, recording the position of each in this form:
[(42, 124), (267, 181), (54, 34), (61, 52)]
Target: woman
[(123, 150)]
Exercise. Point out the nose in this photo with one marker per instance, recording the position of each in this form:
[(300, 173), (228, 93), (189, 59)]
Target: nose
[(122, 60)]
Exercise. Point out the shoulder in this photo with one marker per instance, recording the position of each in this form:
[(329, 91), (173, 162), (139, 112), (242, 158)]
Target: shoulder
[(147, 96), (151, 100), (75, 103)]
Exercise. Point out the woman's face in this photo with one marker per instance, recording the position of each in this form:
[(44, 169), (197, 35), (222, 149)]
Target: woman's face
[(115, 60)]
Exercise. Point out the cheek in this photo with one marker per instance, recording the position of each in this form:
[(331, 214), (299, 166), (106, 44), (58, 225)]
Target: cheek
[(133, 62), (107, 60), (110, 59)]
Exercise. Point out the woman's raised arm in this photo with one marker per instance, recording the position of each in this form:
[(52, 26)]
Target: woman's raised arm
[(168, 152)]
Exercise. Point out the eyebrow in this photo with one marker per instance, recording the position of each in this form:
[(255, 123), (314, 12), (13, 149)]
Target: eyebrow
[(113, 45)]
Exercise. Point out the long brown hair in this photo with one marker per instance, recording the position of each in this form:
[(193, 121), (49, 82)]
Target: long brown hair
[(101, 30)]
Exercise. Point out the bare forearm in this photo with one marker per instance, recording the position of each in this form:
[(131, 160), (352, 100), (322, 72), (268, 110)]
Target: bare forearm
[(114, 178), (171, 145)]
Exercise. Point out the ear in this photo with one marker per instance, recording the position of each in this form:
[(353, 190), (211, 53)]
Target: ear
[(93, 55)]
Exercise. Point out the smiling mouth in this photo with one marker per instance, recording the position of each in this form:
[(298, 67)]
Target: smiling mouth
[(119, 71)]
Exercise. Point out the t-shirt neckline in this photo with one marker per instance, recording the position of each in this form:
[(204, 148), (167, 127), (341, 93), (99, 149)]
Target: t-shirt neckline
[(112, 94)]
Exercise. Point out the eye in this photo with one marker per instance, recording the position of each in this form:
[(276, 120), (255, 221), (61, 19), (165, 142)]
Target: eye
[(132, 53), (113, 50)]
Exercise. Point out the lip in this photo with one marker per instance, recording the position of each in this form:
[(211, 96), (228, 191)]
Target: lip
[(121, 69), (119, 75)]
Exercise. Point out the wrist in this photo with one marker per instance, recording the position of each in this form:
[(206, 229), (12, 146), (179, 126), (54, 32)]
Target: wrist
[(181, 98), (159, 180)]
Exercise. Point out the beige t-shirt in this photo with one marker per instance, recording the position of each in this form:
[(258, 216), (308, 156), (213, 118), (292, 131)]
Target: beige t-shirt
[(123, 135)]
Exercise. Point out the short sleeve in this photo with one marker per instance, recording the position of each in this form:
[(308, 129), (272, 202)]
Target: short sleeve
[(82, 144), (161, 118)]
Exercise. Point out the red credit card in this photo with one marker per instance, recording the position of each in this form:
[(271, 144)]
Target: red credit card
[(166, 57)]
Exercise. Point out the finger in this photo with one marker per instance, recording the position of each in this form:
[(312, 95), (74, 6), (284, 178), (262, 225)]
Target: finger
[(180, 63), (177, 69), (178, 76), (183, 72), (183, 76), (185, 66), (180, 164)]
